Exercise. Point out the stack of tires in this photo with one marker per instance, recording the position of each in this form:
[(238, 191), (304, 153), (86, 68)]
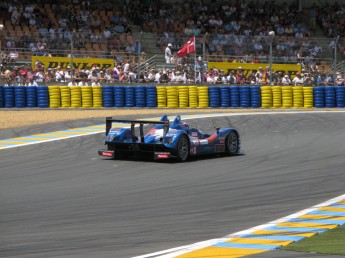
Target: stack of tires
[(1, 96), (287, 97), (130, 96), (108, 96), (183, 96), (151, 96), (9, 96), (330, 96), (225, 96), (203, 97), (193, 96), (172, 97), (319, 96), (214, 96), (255, 95), (20, 96), (266, 96), (308, 97), (65, 92), (276, 96), (297, 92), (54, 96), (86, 96), (244, 96), (340, 96), (235, 96), (119, 96), (42, 96), (76, 96), (140, 96), (31, 96), (161, 97), (97, 96)]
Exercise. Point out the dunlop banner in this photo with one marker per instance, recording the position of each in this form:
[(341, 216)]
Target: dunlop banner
[(292, 69), (78, 63)]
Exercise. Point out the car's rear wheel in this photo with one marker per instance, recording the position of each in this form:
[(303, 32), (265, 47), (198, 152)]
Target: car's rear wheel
[(232, 143), (183, 148)]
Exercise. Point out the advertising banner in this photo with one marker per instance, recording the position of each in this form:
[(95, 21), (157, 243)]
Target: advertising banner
[(78, 63), (247, 68)]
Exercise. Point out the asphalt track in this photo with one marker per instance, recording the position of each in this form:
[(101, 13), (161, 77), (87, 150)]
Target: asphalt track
[(60, 199)]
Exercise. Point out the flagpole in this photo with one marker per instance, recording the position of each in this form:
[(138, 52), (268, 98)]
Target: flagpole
[(194, 60)]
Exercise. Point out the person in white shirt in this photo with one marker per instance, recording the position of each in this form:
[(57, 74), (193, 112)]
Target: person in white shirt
[(83, 82), (298, 80), (73, 82), (168, 53), (96, 83), (286, 80)]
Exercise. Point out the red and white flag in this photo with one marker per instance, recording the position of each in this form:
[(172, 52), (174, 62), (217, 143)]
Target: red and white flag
[(187, 48)]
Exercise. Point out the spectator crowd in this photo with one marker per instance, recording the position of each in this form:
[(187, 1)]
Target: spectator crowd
[(237, 30)]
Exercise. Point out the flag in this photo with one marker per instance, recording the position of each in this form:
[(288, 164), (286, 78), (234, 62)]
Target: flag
[(187, 48)]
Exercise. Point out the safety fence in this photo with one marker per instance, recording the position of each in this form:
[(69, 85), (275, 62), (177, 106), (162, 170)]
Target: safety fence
[(150, 96)]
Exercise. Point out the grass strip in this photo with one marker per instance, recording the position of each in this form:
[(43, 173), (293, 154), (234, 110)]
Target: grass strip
[(329, 242)]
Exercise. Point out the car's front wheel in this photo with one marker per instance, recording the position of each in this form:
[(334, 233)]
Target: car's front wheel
[(232, 143), (183, 148)]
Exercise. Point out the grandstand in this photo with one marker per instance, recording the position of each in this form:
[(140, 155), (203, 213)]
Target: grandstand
[(225, 31)]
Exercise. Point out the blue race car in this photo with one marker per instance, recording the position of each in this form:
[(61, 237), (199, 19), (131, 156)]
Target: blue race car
[(165, 140)]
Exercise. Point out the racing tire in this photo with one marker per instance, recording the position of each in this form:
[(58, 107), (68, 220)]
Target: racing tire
[(231, 143), (183, 148)]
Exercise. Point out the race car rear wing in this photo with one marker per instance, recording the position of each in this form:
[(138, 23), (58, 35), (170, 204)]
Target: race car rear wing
[(110, 120)]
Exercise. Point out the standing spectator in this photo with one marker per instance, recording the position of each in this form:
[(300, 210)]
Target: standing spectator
[(339, 80), (298, 80), (168, 53), (286, 80)]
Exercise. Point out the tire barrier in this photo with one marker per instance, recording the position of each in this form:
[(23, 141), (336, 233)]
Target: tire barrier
[(245, 96), (266, 96), (130, 96), (172, 97), (140, 96), (151, 96), (119, 96), (193, 96), (330, 96), (297, 97), (108, 96), (86, 97), (65, 94), (308, 97), (224, 96), (20, 96), (9, 96), (161, 97), (234, 96), (340, 96), (42, 97), (319, 96), (214, 96), (286, 96), (97, 96), (1, 96), (54, 96), (203, 98), (255, 95), (276, 96), (31, 96), (76, 97), (183, 96)]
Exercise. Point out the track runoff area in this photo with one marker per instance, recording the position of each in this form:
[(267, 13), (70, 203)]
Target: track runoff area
[(259, 239)]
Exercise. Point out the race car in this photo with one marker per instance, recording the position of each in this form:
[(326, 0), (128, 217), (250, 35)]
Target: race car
[(167, 140)]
